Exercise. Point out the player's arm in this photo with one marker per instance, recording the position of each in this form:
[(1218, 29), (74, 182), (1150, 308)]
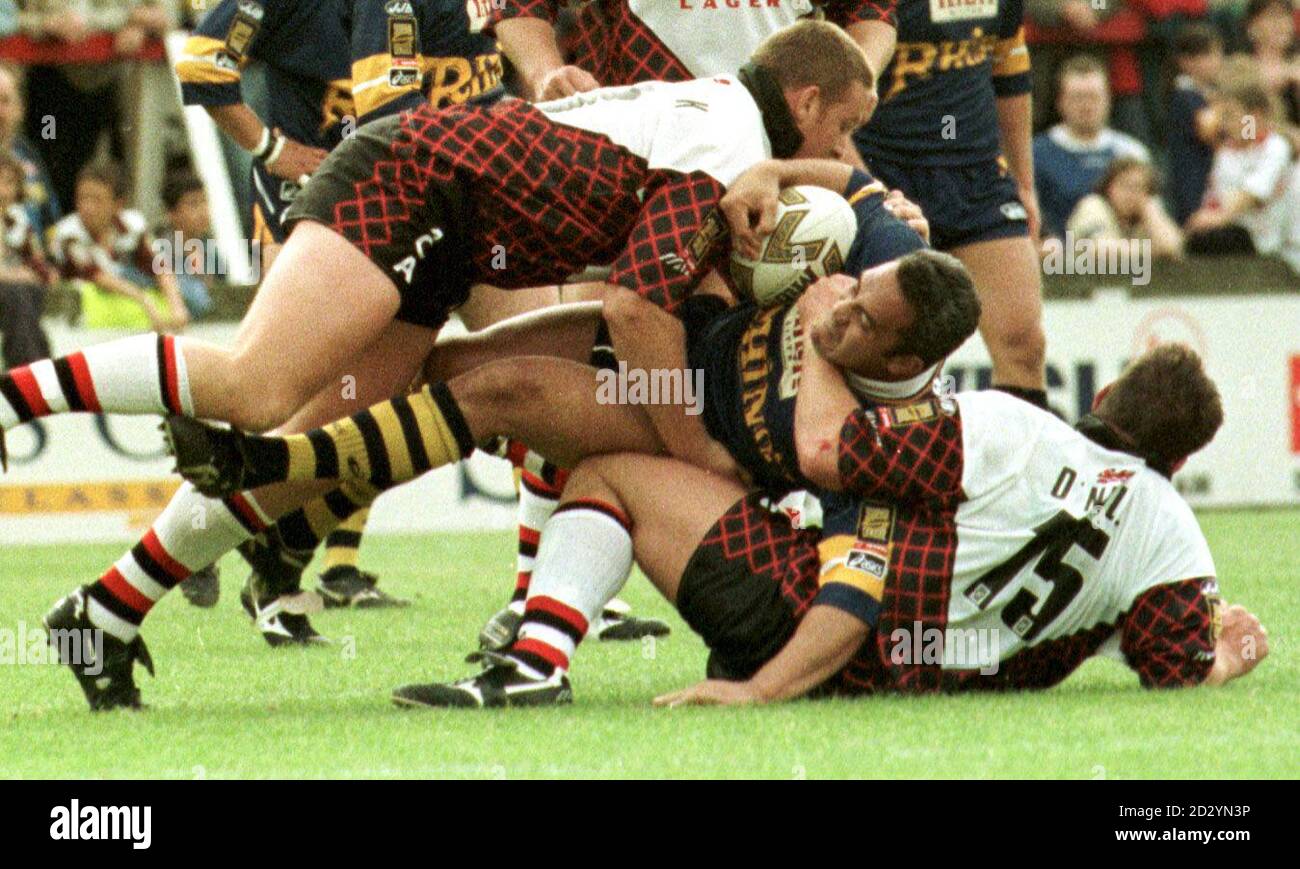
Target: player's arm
[(1012, 86), (649, 339), (525, 30), (210, 68), (1177, 635), (751, 199), (872, 24)]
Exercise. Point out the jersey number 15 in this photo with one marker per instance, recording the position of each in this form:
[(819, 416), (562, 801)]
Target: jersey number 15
[(1052, 540)]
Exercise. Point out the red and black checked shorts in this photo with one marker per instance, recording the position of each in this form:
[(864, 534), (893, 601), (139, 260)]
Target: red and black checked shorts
[(411, 226), (747, 585)]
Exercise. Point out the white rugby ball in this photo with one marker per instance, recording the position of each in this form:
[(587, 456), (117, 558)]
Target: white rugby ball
[(814, 230)]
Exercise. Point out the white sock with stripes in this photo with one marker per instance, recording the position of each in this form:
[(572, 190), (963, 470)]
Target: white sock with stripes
[(192, 532), (582, 563), (141, 374)]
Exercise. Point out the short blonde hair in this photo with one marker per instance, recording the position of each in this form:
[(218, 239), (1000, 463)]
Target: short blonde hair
[(812, 52)]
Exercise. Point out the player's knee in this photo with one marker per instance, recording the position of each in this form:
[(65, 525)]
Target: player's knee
[(1024, 344), (494, 394), (627, 312), (259, 404)]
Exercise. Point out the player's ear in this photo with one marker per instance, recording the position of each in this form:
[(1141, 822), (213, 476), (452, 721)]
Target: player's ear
[(904, 365), (804, 102)]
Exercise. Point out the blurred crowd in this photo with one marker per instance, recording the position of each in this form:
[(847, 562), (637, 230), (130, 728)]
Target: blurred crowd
[(1173, 121)]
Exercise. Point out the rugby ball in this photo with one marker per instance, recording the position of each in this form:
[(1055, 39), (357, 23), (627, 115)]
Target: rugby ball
[(814, 230)]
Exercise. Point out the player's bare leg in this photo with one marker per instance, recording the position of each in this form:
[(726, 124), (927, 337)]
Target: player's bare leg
[(1009, 285), (321, 307), (615, 508)]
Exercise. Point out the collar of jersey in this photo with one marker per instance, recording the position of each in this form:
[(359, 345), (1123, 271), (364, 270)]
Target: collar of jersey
[(781, 129), (1105, 435), (884, 390)]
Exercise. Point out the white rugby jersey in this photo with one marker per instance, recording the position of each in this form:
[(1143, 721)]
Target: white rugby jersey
[(710, 125), (79, 255), (627, 41), (1057, 534), (1011, 548)]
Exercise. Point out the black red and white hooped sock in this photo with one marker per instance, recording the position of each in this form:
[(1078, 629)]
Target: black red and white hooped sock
[(582, 562), (192, 532), (138, 375)]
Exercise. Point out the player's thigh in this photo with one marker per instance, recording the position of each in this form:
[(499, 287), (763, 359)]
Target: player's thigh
[(1007, 280), (564, 410), (672, 506), (487, 305), (321, 305), (383, 371), (562, 331)]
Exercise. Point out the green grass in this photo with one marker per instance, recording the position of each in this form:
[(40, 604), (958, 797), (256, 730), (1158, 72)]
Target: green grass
[(226, 705)]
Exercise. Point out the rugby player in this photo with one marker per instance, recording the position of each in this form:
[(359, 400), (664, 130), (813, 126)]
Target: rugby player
[(717, 335), (400, 439), (623, 42), (404, 54), (953, 133), (382, 249), (983, 545)]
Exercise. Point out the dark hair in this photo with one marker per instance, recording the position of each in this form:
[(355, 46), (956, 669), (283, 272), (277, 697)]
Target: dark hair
[(1196, 39), (1080, 64), (1255, 8), (177, 186), (945, 309), (1119, 166), (1165, 403), (811, 52), (107, 173)]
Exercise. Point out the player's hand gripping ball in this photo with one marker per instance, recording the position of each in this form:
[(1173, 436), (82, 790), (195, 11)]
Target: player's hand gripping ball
[(814, 230)]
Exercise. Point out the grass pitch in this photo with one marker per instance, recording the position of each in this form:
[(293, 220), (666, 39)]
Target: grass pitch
[(226, 705)]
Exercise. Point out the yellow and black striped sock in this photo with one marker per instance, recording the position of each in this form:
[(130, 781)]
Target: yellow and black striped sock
[(386, 444), (304, 529), (343, 543)]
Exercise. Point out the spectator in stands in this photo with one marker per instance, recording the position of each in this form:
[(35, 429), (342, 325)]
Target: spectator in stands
[(1271, 31), (1071, 157), (37, 194), (1252, 204), (1126, 206), (106, 248), (23, 273), (188, 221), (83, 98), (1193, 130)]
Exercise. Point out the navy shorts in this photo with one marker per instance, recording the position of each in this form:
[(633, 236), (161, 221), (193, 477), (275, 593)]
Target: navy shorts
[(272, 196), (964, 204)]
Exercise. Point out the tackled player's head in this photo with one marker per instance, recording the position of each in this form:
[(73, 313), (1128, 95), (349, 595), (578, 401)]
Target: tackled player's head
[(1164, 404), (827, 82), (898, 318)]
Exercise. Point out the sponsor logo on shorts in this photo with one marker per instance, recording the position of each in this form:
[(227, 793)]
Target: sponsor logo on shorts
[(406, 266)]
